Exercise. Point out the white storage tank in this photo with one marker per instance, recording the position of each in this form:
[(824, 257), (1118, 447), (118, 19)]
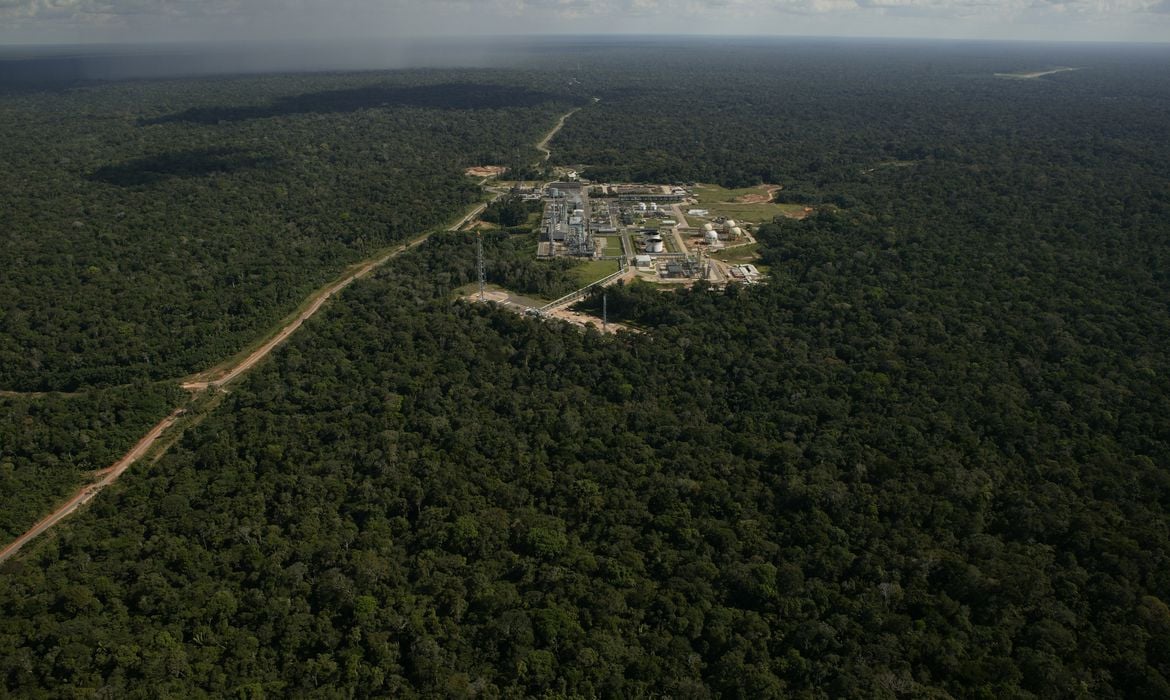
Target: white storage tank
[(654, 244)]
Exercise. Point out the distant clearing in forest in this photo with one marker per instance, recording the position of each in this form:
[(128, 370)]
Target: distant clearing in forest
[(1030, 75)]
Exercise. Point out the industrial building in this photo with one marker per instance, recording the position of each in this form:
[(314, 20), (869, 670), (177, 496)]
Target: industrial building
[(565, 229), (653, 197), (746, 273), (643, 193), (576, 214)]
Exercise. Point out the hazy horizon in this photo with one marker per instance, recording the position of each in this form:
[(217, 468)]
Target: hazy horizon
[(54, 64), (118, 21)]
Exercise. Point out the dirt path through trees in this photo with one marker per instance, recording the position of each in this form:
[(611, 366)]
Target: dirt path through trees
[(108, 476), (204, 381), (218, 377), (543, 145)]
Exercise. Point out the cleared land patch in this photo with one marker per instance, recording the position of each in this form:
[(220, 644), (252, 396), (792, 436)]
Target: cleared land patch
[(485, 171), (739, 254), (751, 204)]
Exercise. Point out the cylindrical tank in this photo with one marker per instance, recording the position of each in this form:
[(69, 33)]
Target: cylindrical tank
[(736, 231), (711, 236), (708, 226), (654, 244), (729, 224)]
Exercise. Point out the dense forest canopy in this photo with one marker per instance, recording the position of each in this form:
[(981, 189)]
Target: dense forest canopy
[(927, 459), (49, 443), (151, 229), (816, 113)]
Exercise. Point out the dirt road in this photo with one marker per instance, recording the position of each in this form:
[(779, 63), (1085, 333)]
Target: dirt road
[(83, 496), (579, 318), (317, 302), (543, 145), (111, 474), (471, 215), (220, 377)]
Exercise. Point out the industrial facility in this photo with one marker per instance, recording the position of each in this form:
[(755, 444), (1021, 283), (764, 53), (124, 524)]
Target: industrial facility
[(565, 228), (644, 226), (649, 193)]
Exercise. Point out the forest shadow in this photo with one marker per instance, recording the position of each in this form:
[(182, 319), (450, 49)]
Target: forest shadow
[(442, 96), (178, 164)]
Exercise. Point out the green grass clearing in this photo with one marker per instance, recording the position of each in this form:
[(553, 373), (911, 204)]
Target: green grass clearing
[(720, 201), (714, 194), (609, 245), (472, 288), (590, 272), (739, 254)]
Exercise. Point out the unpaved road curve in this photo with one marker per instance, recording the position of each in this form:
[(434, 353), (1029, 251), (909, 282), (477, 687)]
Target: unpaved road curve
[(543, 145), (470, 215), (109, 476)]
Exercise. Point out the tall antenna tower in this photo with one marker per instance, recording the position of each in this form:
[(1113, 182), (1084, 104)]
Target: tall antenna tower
[(604, 313), (479, 263)]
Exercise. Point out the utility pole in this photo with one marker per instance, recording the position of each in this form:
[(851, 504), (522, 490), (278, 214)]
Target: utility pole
[(479, 263)]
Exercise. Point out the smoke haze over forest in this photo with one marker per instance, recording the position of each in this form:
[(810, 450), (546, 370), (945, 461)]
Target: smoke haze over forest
[(120, 21)]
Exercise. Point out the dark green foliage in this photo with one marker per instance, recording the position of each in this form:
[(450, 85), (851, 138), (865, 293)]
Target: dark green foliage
[(48, 443), (509, 211), (928, 459), (151, 229), (814, 115), (512, 263)]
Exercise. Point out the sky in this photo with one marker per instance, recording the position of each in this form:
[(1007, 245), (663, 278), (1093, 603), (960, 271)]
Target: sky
[(146, 21)]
